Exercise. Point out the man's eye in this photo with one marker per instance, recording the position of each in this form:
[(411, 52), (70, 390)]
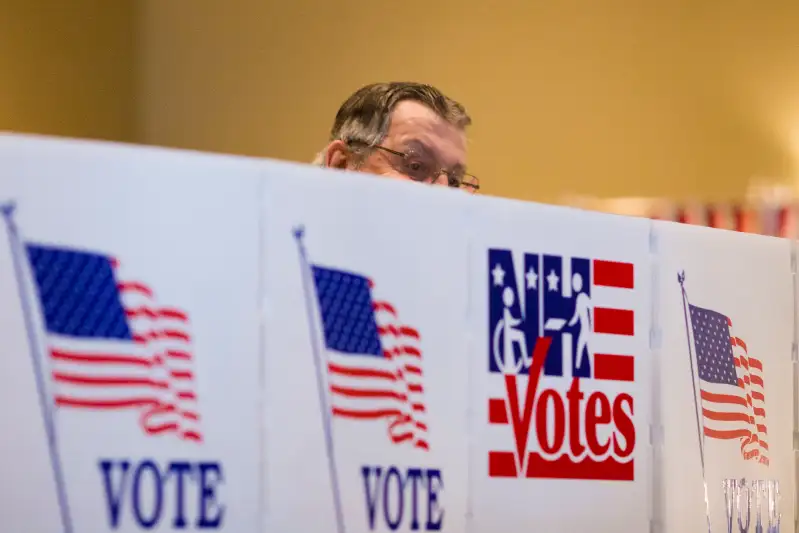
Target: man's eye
[(417, 166)]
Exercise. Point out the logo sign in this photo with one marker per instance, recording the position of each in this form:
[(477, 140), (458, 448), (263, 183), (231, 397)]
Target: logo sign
[(558, 321)]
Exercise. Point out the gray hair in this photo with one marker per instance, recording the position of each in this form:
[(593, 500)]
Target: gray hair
[(366, 115)]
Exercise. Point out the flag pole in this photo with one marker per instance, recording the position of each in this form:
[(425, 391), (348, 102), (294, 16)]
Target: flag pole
[(15, 244), (699, 430), (305, 266)]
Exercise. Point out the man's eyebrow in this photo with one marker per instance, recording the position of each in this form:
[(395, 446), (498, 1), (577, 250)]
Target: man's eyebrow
[(423, 149), (419, 146)]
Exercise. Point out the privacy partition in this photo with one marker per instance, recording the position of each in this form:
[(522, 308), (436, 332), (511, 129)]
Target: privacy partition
[(205, 342)]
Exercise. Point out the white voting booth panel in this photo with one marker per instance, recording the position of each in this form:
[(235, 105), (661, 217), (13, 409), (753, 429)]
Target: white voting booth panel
[(729, 289), (130, 346), (199, 342)]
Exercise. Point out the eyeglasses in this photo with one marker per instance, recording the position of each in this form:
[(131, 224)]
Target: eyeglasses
[(424, 168)]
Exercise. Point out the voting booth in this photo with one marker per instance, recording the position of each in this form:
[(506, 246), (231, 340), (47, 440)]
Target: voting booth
[(204, 342)]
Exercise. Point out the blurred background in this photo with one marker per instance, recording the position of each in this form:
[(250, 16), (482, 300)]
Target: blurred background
[(677, 108)]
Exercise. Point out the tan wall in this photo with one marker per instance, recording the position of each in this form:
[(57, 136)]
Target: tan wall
[(678, 98), (67, 68)]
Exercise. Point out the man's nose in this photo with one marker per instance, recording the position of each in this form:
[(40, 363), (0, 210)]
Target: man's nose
[(440, 179)]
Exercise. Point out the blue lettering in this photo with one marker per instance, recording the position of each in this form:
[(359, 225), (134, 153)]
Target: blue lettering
[(395, 485), (144, 502), (211, 513), (400, 495), (435, 515), (415, 476), (157, 490), (114, 496), (178, 470), (372, 491)]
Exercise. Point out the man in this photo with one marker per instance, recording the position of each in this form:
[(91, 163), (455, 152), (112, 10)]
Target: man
[(401, 130)]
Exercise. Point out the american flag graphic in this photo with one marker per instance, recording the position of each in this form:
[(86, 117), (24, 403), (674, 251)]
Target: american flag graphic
[(111, 346), (374, 361), (731, 385)]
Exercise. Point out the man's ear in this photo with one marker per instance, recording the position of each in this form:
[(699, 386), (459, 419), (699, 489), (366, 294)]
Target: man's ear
[(338, 155)]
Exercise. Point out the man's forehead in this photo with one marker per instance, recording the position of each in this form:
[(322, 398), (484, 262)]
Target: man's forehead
[(414, 121)]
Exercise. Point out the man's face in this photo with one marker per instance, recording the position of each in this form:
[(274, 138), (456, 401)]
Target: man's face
[(435, 144)]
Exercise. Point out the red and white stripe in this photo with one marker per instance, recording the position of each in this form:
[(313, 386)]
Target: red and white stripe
[(612, 340), (153, 374), (739, 414), (391, 387)]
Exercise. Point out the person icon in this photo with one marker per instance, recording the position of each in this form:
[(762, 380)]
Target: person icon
[(582, 314), (512, 335)]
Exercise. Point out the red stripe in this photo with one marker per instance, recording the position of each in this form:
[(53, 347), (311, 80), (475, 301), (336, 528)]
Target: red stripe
[(69, 401), (155, 314), (402, 437), (384, 306), (723, 398), (727, 417), (102, 359), (161, 428), (398, 331), (497, 414), (167, 334), (410, 332), (176, 354), (614, 367), (176, 314), (564, 467), (364, 414), (739, 342), (94, 381), (726, 435), (192, 436), (360, 372), (413, 370), (614, 321), (401, 350), (613, 274), (501, 464), (135, 286), (364, 393)]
